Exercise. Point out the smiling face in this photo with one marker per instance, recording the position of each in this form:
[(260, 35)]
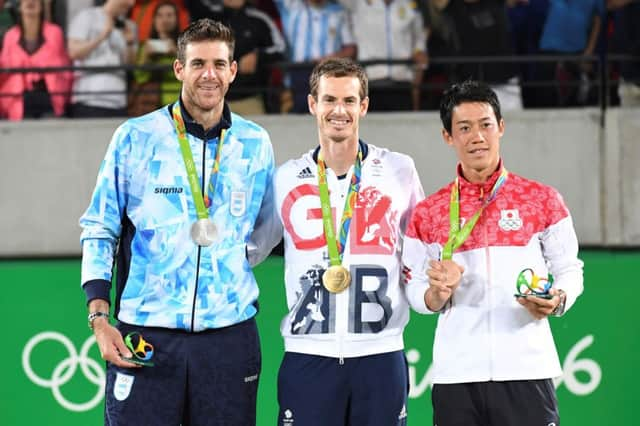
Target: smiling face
[(338, 108), (205, 74), (475, 136)]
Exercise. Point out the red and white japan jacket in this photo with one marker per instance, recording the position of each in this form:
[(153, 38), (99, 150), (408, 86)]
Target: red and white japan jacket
[(369, 316), (485, 334)]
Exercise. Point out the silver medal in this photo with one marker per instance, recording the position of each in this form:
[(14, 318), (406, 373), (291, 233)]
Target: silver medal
[(204, 232)]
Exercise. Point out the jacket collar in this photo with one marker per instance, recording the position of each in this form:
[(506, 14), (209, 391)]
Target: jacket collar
[(485, 188), (195, 129), (363, 147)]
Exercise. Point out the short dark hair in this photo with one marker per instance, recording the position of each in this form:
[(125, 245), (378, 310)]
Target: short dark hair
[(468, 91), (205, 29), (338, 67)]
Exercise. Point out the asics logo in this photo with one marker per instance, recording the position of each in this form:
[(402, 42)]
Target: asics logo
[(65, 369)]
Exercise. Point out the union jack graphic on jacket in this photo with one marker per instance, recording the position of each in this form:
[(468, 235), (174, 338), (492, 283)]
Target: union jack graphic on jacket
[(369, 316)]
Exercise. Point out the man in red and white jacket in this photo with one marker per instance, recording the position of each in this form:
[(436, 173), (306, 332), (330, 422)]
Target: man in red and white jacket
[(494, 356)]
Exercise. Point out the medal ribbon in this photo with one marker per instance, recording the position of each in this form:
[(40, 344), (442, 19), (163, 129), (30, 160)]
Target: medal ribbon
[(458, 236), (190, 165), (336, 247)]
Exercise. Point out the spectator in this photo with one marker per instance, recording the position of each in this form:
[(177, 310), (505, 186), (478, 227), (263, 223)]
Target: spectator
[(527, 21), (572, 28), (275, 94), (63, 11), (101, 36), (270, 8), (439, 45), (32, 43), (259, 44), (143, 14), (388, 30), (626, 41), (481, 28), (154, 89), (314, 30)]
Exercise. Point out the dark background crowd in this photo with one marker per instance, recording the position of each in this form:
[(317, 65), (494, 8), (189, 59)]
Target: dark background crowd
[(112, 58)]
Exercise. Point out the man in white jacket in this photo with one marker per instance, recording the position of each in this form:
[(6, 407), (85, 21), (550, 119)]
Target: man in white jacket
[(494, 356), (344, 206)]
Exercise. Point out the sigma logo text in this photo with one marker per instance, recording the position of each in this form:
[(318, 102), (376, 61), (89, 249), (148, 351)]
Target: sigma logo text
[(168, 190)]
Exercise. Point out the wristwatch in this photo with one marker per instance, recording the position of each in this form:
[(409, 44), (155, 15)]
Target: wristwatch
[(559, 309), (95, 315)]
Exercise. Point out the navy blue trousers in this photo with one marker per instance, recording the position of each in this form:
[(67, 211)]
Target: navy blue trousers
[(199, 379), (364, 391)]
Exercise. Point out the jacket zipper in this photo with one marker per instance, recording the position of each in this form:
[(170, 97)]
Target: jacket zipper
[(195, 291), (489, 319), (488, 266)]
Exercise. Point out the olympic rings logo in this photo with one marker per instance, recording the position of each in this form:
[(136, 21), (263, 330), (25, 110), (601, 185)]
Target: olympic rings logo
[(66, 368)]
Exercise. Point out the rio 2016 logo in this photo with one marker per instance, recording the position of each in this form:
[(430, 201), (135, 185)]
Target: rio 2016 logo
[(570, 367), (66, 369)]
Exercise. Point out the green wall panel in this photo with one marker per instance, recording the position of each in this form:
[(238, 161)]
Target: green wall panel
[(52, 373)]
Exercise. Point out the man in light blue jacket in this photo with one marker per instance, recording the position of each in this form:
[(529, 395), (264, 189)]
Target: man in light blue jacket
[(179, 195)]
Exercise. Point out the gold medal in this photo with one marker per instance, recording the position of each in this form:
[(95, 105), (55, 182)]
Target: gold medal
[(336, 278)]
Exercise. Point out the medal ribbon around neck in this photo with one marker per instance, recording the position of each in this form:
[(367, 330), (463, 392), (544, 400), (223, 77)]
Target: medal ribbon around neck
[(336, 248), (187, 156), (458, 236)]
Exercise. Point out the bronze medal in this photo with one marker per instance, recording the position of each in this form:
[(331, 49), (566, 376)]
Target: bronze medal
[(336, 278), (204, 232)]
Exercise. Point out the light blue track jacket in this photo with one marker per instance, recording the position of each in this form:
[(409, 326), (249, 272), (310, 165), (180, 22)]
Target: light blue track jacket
[(142, 206)]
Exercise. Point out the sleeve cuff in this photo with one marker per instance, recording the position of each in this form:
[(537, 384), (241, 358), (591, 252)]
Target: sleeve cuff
[(415, 295), (97, 289)]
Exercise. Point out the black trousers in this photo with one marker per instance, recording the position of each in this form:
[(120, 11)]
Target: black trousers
[(510, 403)]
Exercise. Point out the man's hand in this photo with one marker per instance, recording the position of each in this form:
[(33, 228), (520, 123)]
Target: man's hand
[(109, 24), (80, 49), (129, 32), (111, 344), (444, 279), (540, 307), (421, 60), (248, 63)]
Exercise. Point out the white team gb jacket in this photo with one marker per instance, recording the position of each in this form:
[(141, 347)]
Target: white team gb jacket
[(369, 316)]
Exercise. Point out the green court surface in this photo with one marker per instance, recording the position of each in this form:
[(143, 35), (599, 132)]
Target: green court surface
[(52, 373)]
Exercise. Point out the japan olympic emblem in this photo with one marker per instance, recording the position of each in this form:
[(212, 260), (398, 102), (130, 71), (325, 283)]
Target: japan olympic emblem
[(510, 220), (64, 371)]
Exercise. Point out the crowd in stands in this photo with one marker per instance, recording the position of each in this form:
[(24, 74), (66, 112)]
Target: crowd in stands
[(411, 50)]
